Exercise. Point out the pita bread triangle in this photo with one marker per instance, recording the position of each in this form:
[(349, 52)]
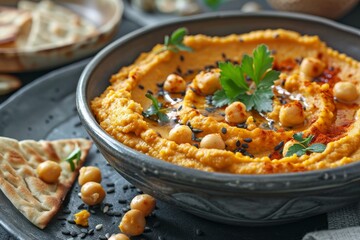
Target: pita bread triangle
[(36, 200)]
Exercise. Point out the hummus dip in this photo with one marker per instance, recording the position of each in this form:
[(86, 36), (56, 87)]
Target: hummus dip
[(316, 95)]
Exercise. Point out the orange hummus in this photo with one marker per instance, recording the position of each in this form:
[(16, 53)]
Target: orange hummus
[(311, 82)]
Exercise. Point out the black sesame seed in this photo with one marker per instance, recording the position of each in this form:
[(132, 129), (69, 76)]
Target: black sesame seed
[(132, 186), (81, 206), (190, 71), (279, 146), (61, 218), (110, 213), (196, 145), (196, 130), (110, 184), (82, 235), (122, 201), (238, 143), (139, 191), (150, 92), (147, 229), (245, 145), (141, 87), (29, 128), (160, 85), (241, 125), (178, 70), (179, 109), (248, 140), (223, 55), (189, 124), (73, 233), (117, 214), (110, 190), (102, 237), (182, 58), (223, 130), (65, 232), (71, 221), (125, 187), (91, 231)]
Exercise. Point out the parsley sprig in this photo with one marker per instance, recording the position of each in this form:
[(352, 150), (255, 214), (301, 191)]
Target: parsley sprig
[(156, 109), (258, 95), (74, 155), (213, 4), (303, 146), (175, 43)]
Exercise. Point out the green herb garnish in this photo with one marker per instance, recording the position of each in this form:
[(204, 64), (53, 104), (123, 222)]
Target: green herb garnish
[(156, 109), (213, 4), (175, 43), (258, 69), (303, 146), (75, 155)]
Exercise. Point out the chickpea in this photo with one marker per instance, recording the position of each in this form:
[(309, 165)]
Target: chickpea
[(119, 236), (208, 82), (311, 67), (89, 174), (180, 134), (49, 171), (213, 140), (144, 203), (236, 113), (133, 223), (345, 91), (92, 193), (292, 114), (174, 84)]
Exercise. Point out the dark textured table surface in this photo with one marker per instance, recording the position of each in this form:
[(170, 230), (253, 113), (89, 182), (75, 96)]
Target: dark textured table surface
[(296, 230)]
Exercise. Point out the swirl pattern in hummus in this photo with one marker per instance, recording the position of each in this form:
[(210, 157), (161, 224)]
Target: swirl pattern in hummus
[(255, 146)]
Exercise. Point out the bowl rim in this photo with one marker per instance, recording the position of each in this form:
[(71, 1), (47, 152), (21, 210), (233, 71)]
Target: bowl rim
[(259, 183), (101, 30)]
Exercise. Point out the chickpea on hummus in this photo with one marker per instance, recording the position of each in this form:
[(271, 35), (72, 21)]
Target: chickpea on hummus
[(269, 101)]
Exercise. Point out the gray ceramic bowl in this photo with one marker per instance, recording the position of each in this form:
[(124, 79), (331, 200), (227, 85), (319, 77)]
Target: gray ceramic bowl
[(234, 199)]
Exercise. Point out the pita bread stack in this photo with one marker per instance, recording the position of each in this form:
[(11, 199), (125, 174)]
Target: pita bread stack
[(35, 199), (12, 21), (42, 25)]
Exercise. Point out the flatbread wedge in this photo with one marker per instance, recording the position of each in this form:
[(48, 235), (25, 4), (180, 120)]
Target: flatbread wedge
[(36, 200)]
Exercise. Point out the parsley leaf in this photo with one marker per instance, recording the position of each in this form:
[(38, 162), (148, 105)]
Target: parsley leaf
[(74, 155), (317, 147), (257, 96), (213, 3), (232, 80), (303, 147), (155, 109), (175, 43), (220, 99)]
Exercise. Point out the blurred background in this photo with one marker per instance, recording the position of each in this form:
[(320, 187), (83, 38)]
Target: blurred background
[(154, 11)]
